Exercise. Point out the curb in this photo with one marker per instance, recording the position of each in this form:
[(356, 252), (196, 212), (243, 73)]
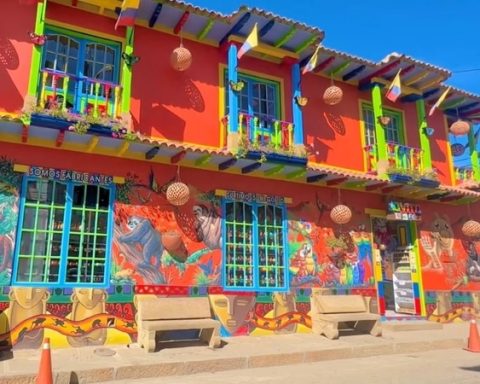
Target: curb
[(131, 372)]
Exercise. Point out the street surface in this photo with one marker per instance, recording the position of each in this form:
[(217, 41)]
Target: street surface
[(449, 366)]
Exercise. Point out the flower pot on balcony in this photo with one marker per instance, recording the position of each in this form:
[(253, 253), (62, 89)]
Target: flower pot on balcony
[(277, 158), (427, 183), (99, 129), (399, 178), (49, 122)]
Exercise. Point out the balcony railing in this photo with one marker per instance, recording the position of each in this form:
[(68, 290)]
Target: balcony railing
[(264, 135), (80, 95), (399, 158), (464, 176)]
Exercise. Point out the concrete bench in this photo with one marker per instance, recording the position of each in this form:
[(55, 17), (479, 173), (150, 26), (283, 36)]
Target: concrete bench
[(331, 312), (160, 314)]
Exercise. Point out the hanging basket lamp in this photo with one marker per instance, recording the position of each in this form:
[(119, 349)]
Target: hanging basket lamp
[(459, 128), (178, 193), (341, 214), (471, 228), (333, 95), (181, 58)]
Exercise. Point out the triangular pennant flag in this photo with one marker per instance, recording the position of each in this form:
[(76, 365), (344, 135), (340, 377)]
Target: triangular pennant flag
[(312, 63), (395, 89), (439, 101), (250, 43), (126, 18)]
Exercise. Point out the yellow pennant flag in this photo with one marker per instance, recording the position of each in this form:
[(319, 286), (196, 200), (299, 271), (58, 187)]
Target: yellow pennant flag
[(250, 43)]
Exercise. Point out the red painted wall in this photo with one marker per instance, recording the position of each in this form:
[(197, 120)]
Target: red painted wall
[(439, 146), (333, 132), (15, 53)]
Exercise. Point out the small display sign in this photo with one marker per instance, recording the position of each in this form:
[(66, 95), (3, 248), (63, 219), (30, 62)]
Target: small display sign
[(404, 211), (66, 175)]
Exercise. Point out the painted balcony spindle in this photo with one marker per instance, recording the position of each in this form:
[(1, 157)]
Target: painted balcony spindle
[(54, 87), (95, 102), (240, 123), (107, 98), (116, 100), (66, 80), (42, 91), (276, 135), (256, 122), (290, 135)]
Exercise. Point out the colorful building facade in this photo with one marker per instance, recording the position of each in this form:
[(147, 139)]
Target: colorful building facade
[(141, 153)]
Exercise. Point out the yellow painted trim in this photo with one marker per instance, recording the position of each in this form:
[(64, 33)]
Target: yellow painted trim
[(405, 88), (123, 148), (417, 78), (418, 267), (220, 192), (267, 49), (376, 213), (288, 200), (118, 180), (362, 133), (87, 31), (92, 144), (221, 105), (451, 167), (21, 168)]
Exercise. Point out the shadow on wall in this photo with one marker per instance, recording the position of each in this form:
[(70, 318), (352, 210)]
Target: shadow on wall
[(9, 95)]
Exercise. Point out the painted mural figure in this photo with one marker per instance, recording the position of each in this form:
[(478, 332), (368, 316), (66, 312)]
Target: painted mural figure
[(8, 219), (25, 303), (284, 303), (439, 244), (303, 264), (208, 226), (232, 310), (87, 302), (143, 233)]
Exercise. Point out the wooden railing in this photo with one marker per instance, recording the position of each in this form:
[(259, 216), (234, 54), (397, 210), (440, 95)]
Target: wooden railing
[(464, 175), (81, 95), (399, 157), (272, 133)]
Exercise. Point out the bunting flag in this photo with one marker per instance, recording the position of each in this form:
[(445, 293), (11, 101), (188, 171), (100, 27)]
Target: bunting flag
[(395, 89), (439, 101), (126, 18), (250, 43), (312, 63)]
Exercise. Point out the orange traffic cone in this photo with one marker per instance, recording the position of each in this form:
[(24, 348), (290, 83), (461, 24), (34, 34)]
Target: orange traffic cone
[(473, 338), (45, 375)]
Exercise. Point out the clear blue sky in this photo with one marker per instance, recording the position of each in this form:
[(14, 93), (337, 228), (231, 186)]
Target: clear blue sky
[(445, 33)]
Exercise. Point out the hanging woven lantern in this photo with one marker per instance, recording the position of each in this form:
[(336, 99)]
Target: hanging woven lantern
[(181, 58), (459, 128), (341, 214), (178, 193), (333, 95), (471, 228)]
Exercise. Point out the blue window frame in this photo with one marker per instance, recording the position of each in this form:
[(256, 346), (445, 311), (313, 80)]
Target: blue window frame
[(254, 246), (64, 234), (91, 64)]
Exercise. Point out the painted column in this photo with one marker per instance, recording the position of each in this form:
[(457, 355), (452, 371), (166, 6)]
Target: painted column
[(424, 140), (473, 154), (380, 136), (37, 50), (127, 73), (232, 96), (296, 109)]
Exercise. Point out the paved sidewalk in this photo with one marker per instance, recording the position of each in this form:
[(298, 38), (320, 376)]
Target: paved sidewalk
[(84, 365)]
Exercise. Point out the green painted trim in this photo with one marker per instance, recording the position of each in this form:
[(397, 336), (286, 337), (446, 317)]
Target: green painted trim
[(204, 32), (127, 72), (84, 36), (339, 68), (473, 155), (37, 50), (287, 36), (424, 140), (304, 44), (380, 134)]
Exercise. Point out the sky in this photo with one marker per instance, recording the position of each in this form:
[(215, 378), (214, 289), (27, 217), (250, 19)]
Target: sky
[(444, 33)]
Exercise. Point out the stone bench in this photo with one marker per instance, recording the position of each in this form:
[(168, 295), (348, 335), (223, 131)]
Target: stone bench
[(331, 312), (161, 314)]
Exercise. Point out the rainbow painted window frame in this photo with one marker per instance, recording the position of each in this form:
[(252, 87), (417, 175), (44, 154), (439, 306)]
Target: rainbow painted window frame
[(82, 93), (76, 235), (255, 251)]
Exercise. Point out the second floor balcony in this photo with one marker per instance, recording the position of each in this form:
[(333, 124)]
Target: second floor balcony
[(402, 164)]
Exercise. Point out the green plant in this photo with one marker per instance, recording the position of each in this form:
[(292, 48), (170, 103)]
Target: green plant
[(246, 145), (334, 242)]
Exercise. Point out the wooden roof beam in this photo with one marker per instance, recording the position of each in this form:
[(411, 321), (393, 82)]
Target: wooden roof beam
[(236, 28), (151, 153), (178, 157), (317, 177), (181, 22), (155, 14), (266, 28), (251, 167), (354, 72), (227, 164), (380, 72), (286, 37), (337, 181), (206, 29)]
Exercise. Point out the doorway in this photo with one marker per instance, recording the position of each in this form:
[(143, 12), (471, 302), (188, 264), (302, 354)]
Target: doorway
[(395, 242)]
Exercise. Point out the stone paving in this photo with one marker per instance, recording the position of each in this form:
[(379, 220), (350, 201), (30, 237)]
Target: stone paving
[(90, 365)]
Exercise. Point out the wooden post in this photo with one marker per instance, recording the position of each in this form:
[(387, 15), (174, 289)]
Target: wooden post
[(232, 95), (297, 110), (380, 137), (426, 154), (127, 73), (37, 49), (473, 155)]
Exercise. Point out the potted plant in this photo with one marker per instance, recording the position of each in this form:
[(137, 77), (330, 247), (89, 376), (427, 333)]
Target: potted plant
[(399, 175), (428, 178)]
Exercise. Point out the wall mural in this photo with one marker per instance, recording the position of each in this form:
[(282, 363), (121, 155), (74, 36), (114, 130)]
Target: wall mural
[(9, 187)]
